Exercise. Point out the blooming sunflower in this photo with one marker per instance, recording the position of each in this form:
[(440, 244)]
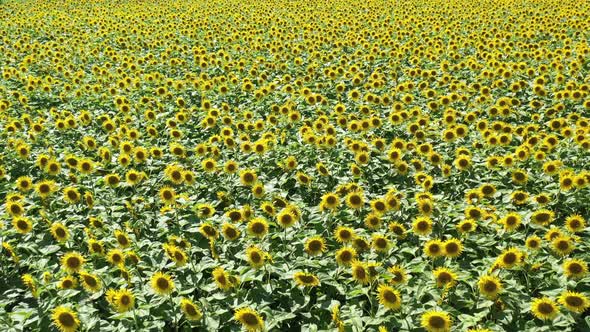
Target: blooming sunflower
[(315, 245), (60, 232), (434, 248), (72, 262), (452, 248), (190, 309), (258, 227), (422, 226), (256, 257), (360, 272), (489, 286), (575, 268), (573, 301), (389, 297), (436, 321), (124, 300), (250, 319), (345, 255), (444, 277), (23, 225), (544, 308), (306, 279), (344, 234), (162, 283), (90, 282), (65, 319)]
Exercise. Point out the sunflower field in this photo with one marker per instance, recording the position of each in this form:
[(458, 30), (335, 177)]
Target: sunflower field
[(324, 165)]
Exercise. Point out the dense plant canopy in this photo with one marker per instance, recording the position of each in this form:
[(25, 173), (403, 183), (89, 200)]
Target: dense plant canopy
[(294, 165)]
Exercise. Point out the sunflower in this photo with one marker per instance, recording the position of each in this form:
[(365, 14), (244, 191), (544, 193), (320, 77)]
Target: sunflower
[(389, 297), (519, 197), (286, 218), (510, 258), (344, 234), (422, 226), (122, 238), (190, 309), (511, 221), (15, 209), (355, 200), (360, 244), (256, 257), (67, 282), (306, 279), (72, 262), (60, 232), (258, 227), (230, 232), (380, 243), (466, 226), (330, 201), (544, 308), (167, 195), (209, 165), (444, 277), (23, 225), (575, 223), (235, 215), (397, 229), (533, 242), (124, 300), (24, 183), (489, 286), (230, 167), (248, 177), (360, 272), (65, 319), (575, 268), (573, 301), (425, 207), (345, 255), (452, 248), (71, 195), (315, 245), (250, 319), (45, 188), (221, 278), (205, 210), (208, 230), (562, 245), (162, 283), (542, 217), (90, 282), (399, 274), (433, 248), (436, 321), (115, 257)]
